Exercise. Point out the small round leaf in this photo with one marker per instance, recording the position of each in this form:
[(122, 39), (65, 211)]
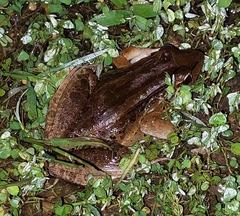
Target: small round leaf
[(23, 56), (13, 190), (218, 119), (224, 3)]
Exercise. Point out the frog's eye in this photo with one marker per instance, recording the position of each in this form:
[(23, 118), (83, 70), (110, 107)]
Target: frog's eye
[(183, 78), (187, 79)]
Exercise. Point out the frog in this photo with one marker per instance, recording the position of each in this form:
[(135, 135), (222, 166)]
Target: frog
[(85, 105)]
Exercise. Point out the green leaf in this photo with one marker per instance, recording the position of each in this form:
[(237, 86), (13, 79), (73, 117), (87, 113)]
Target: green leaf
[(215, 180), (173, 137), (186, 163), (217, 44), (218, 119), (235, 148), (15, 125), (171, 164), (23, 56), (158, 33), (5, 154), (141, 22), (67, 2), (79, 25), (227, 133), (171, 15), (108, 60), (151, 153), (224, 3), (229, 74), (166, 4), (232, 208), (144, 10), (65, 58), (179, 14), (205, 186), (7, 64), (234, 162), (192, 190), (157, 5), (100, 192), (15, 204), (14, 153), (124, 163), (3, 2), (236, 51), (13, 190), (168, 79), (3, 199), (3, 174), (63, 210), (111, 18), (119, 3), (124, 187), (2, 92), (80, 141), (233, 101), (17, 7), (185, 94), (142, 159), (87, 33), (4, 20), (229, 193), (55, 8), (170, 90), (31, 102), (94, 210)]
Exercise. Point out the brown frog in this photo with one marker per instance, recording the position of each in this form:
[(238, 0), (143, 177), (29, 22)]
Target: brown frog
[(103, 108)]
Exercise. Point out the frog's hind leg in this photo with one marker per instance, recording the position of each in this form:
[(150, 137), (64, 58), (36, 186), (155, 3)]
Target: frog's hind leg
[(68, 102)]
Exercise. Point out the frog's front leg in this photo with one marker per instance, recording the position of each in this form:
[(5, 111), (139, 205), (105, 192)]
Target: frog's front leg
[(68, 102), (152, 123), (132, 55)]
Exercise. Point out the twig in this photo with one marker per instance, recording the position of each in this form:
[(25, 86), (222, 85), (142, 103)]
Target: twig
[(132, 162)]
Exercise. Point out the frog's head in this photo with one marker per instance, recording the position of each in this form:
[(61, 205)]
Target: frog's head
[(188, 63)]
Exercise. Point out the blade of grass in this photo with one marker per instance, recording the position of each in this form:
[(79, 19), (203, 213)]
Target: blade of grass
[(17, 110), (51, 144), (79, 61), (132, 162), (79, 142), (70, 65)]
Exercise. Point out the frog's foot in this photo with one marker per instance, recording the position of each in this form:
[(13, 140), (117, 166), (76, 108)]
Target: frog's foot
[(76, 174), (131, 134), (153, 125), (131, 55), (134, 54), (102, 162)]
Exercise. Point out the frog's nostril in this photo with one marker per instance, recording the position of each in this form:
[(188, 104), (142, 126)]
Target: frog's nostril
[(166, 56)]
